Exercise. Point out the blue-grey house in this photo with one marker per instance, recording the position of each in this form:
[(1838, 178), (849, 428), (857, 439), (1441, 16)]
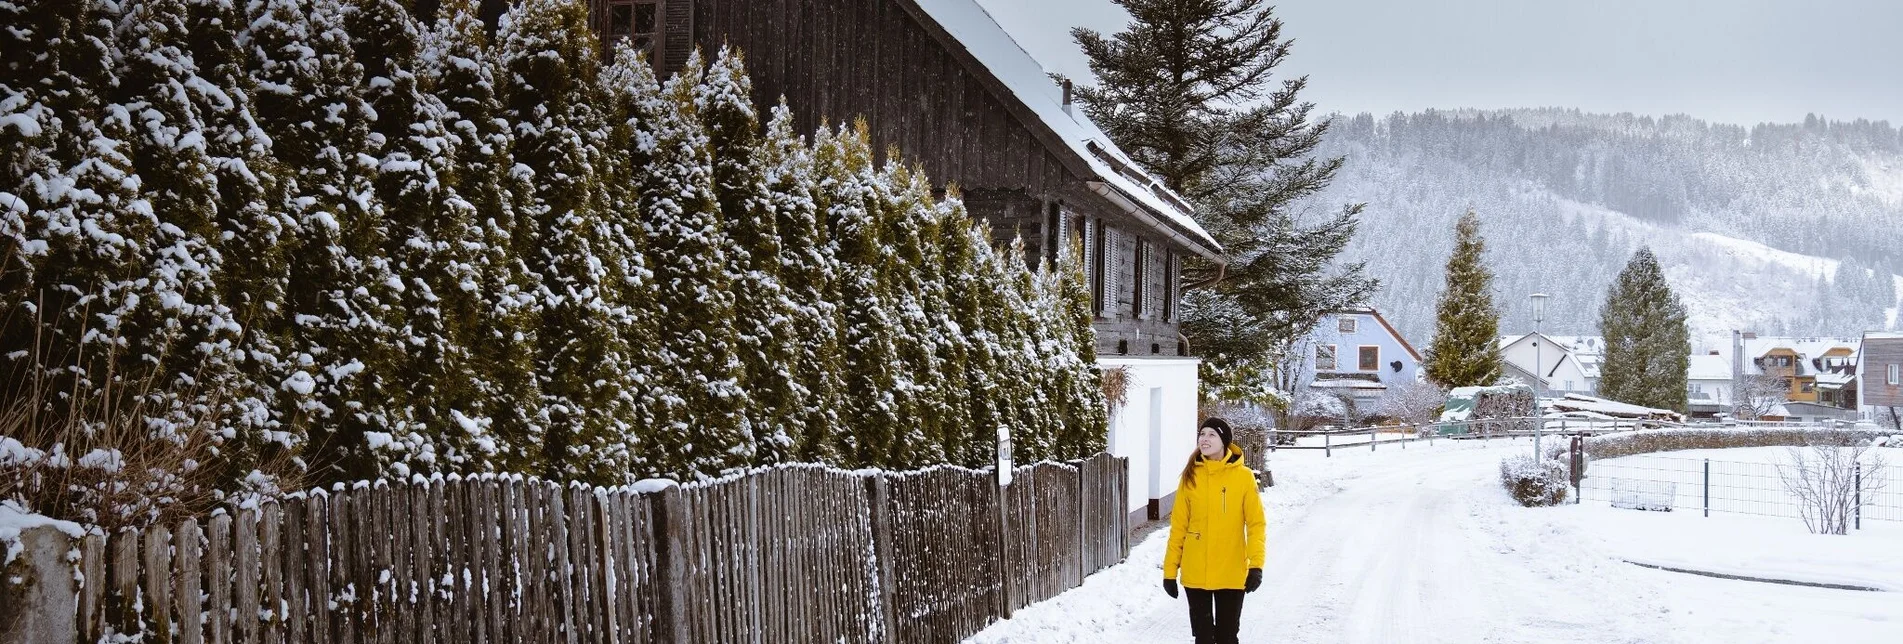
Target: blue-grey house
[(1357, 353)]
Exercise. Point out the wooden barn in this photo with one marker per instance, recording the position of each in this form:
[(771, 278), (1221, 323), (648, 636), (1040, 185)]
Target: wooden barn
[(944, 84)]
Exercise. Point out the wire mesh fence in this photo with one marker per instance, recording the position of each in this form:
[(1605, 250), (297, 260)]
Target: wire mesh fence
[(1734, 487)]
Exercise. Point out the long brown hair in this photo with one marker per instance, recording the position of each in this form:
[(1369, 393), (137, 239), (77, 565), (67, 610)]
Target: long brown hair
[(1189, 469)]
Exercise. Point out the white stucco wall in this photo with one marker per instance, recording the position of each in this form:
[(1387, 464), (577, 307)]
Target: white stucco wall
[(1156, 428)]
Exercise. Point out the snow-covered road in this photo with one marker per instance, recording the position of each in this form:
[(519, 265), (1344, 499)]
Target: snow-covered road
[(1422, 545)]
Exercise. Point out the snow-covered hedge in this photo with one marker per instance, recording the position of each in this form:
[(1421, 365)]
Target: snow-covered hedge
[(1534, 483), (1647, 441)]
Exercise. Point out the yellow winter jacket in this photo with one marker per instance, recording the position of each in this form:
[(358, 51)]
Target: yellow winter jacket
[(1217, 532)]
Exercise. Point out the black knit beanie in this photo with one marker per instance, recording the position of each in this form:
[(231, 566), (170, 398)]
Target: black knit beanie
[(1222, 430)]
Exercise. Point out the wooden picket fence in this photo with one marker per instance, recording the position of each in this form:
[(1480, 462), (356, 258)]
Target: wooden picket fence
[(785, 554)]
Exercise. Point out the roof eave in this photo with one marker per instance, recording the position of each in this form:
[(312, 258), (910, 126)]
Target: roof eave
[(1155, 220)]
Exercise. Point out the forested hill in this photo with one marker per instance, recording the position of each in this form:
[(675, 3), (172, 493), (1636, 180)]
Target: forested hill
[(1778, 228)]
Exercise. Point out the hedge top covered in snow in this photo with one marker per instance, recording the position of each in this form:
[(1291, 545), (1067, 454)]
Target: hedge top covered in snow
[(1646, 441)]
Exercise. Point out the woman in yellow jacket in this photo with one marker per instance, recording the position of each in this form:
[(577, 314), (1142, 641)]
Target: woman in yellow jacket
[(1216, 535)]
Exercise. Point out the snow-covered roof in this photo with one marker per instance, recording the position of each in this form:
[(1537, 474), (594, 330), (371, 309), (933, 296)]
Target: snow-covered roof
[(1581, 345), (1837, 379), (1709, 367), (1345, 383), (1883, 335), (1807, 348), (973, 27), (1578, 402)]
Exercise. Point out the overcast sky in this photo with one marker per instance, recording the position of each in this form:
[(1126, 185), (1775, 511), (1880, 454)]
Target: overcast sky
[(1736, 61)]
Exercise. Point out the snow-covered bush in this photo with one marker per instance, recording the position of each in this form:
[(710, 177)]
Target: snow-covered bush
[(1413, 403), (1534, 483), (1648, 441), (1828, 483)]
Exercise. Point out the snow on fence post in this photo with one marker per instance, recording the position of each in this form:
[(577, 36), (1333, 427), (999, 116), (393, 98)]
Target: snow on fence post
[(38, 596)]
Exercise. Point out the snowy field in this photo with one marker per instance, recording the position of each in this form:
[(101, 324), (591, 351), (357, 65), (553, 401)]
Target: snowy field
[(1422, 545)]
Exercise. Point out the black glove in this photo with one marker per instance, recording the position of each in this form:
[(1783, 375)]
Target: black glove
[(1255, 580), (1169, 586)]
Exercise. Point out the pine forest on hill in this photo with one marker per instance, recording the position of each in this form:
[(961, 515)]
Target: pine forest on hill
[(1782, 229), (326, 240)]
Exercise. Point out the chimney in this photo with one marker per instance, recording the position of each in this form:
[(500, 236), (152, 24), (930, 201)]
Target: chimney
[(1067, 95)]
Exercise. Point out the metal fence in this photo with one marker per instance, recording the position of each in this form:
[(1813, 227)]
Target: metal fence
[(1398, 436), (1733, 487)]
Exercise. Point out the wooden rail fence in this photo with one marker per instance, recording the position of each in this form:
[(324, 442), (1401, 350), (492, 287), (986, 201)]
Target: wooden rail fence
[(785, 554)]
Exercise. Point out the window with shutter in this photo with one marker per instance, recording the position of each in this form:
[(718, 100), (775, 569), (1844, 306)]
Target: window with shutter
[(1139, 280), (1171, 274), (1110, 269)]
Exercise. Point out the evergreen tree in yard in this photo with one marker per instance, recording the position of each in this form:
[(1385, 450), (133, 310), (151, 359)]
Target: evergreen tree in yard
[(1087, 415), (459, 67), (253, 225), (1648, 346), (765, 337), (343, 386), (1466, 350), (807, 282), (77, 228), (911, 283), (1187, 91), (437, 247), (181, 328), (965, 246), (1034, 418), (548, 56), (870, 417), (702, 416)]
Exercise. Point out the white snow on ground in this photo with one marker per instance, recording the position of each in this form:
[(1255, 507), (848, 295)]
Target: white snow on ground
[(1422, 545)]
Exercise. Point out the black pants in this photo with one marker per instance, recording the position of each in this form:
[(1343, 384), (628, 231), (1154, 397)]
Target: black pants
[(1214, 615)]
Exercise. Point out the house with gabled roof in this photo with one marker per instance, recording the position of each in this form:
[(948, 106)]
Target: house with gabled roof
[(1560, 364), (1357, 355)]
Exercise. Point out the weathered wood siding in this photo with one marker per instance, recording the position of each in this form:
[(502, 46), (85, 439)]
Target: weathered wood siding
[(1878, 355)]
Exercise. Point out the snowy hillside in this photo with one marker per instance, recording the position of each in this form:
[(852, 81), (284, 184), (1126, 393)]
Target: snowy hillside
[(1756, 227)]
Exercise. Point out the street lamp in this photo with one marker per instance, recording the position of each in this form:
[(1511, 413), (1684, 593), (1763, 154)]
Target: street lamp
[(1539, 377)]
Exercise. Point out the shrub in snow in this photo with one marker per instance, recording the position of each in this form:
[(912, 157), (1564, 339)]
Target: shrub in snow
[(1666, 440), (1828, 481), (1532, 482)]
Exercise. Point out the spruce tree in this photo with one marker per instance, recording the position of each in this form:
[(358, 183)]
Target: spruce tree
[(808, 282), (703, 415), (765, 338), (1648, 345), (870, 417), (458, 67), (1466, 350), (344, 307), (548, 55), (1189, 92)]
